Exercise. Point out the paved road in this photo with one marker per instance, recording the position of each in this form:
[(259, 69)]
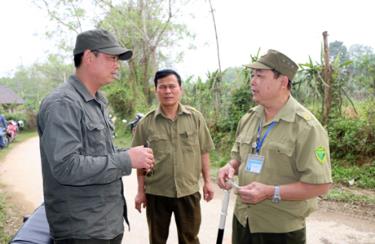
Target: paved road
[(21, 173)]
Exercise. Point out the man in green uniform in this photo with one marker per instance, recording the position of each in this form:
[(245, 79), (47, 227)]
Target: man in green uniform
[(82, 169), (181, 143), (281, 155)]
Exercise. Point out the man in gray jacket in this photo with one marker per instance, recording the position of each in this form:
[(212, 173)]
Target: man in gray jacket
[(81, 167)]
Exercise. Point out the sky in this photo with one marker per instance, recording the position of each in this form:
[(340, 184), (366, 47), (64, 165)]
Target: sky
[(293, 27)]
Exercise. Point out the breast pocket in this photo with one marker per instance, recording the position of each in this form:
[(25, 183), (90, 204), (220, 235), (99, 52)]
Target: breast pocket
[(189, 140), (96, 139), (280, 158), (160, 145), (244, 146)]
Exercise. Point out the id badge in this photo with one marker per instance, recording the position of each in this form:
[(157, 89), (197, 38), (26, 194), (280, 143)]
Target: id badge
[(254, 163)]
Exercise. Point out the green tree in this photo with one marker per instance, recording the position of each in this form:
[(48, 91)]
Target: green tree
[(361, 81), (35, 82), (149, 28), (337, 48)]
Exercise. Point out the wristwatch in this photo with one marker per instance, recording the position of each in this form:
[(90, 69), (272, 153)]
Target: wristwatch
[(276, 195)]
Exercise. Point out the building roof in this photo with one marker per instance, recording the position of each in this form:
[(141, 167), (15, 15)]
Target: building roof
[(7, 96)]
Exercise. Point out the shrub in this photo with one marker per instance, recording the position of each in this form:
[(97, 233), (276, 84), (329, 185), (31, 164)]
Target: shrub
[(28, 117), (361, 176), (352, 140)]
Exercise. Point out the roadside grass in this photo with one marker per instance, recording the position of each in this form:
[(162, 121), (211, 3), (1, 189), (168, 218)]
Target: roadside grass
[(353, 184), (354, 175), (21, 136), (4, 238), (353, 195)]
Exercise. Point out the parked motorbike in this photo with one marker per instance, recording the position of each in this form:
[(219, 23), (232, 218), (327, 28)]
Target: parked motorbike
[(11, 130), (20, 124), (35, 229), (132, 124)]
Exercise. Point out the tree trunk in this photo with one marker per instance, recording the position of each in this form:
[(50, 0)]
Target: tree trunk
[(216, 86), (328, 81)]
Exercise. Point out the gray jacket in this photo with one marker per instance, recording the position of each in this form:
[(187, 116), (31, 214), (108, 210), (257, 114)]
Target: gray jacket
[(81, 168)]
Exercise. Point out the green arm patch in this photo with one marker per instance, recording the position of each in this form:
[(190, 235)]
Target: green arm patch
[(321, 154)]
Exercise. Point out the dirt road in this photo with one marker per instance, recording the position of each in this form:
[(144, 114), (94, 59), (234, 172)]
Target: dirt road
[(21, 174)]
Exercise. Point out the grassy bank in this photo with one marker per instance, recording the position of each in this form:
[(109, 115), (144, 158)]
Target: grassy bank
[(4, 236)]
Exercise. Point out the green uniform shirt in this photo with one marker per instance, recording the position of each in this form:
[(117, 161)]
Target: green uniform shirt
[(177, 145), (296, 149)]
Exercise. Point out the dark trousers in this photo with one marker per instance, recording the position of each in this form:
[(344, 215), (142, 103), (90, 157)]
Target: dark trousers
[(116, 240), (187, 213), (242, 235)]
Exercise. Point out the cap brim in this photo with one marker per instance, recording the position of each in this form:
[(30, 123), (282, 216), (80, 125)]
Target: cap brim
[(122, 53), (258, 65)]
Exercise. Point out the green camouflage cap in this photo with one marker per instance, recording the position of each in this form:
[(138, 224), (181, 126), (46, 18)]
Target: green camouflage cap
[(102, 41), (278, 61)]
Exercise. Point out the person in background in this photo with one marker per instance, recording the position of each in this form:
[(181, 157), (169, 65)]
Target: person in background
[(181, 142), (82, 169), (281, 156), (3, 128), (3, 121)]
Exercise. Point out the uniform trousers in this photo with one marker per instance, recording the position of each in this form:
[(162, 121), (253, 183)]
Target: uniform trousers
[(187, 214), (243, 235)]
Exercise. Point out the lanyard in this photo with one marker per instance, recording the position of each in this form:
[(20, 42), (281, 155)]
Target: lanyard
[(261, 140)]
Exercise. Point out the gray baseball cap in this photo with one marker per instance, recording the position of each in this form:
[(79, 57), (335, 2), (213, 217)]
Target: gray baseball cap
[(278, 61), (102, 41)]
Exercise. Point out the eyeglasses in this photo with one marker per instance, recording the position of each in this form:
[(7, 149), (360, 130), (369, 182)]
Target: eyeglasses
[(112, 58)]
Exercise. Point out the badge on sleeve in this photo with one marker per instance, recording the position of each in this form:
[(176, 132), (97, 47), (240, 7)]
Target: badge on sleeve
[(321, 154)]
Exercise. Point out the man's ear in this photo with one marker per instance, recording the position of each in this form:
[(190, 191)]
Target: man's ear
[(87, 56), (284, 81)]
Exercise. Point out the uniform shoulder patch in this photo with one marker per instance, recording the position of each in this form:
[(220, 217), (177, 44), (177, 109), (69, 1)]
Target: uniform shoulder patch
[(305, 115), (321, 154)]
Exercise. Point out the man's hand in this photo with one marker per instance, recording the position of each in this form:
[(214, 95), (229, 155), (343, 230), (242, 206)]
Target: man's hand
[(255, 192), (140, 200), (226, 172), (208, 192), (141, 157)]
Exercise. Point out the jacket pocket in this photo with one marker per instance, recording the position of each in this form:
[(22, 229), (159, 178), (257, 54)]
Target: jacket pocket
[(96, 138)]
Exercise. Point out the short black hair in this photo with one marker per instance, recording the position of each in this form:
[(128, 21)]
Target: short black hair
[(277, 74), (164, 73), (78, 59)]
